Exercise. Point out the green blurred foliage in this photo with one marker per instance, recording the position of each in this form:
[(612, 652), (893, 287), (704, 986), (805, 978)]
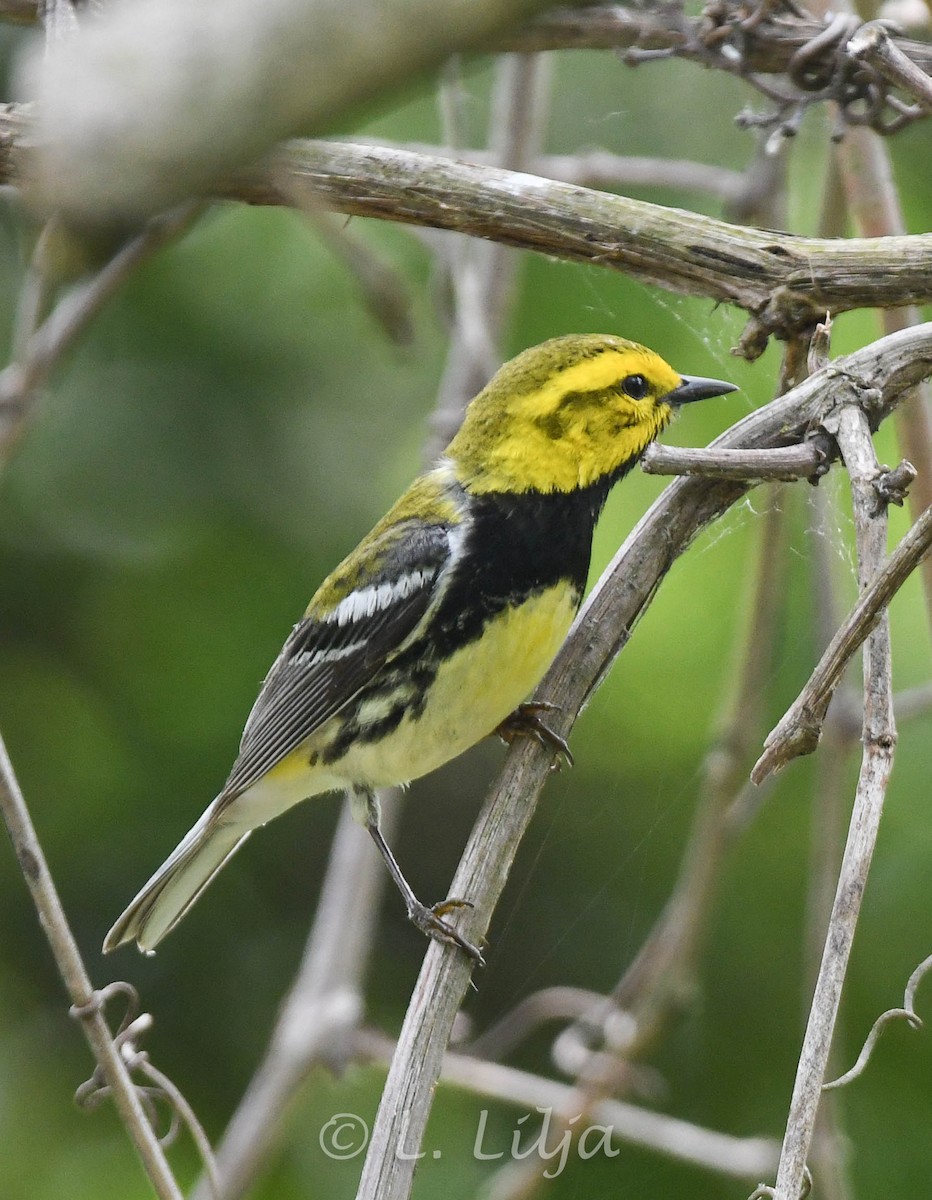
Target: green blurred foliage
[(229, 427)]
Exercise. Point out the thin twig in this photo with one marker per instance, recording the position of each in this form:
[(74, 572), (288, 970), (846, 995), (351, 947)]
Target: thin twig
[(74, 975), (673, 944), (620, 27), (803, 461), (528, 1015), (828, 808), (799, 730), (141, 1063), (483, 273), (873, 44), (384, 292), (20, 381), (867, 176), (879, 740)]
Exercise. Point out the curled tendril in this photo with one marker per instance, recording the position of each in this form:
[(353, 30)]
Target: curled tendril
[(906, 1013), (823, 69), (160, 1093)]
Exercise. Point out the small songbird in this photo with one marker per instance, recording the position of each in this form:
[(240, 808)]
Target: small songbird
[(438, 626)]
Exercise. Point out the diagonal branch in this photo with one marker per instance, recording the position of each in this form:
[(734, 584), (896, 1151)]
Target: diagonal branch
[(44, 347), (798, 732), (86, 1003), (889, 366)]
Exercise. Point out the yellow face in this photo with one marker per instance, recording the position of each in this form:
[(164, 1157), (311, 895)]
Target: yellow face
[(563, 415)]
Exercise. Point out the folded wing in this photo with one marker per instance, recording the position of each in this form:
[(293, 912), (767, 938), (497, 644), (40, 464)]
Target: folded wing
[(330, 655)]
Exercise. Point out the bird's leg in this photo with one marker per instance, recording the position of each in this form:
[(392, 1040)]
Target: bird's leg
[(429, 919), (527, 721)]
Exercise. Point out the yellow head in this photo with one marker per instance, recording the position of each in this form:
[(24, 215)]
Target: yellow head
[(568, 413)]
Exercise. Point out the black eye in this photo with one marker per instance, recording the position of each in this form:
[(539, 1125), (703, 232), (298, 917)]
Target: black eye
[(635, 386)]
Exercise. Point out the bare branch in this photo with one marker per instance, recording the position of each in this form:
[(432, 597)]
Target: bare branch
[(879, 740), (873, 44), (787, 283), (41, 351), (598, 168), (798, 732), (87, 1003), (483, 273), (136, 110), (803, 461), (549, 1004), (601, 629), (620, 27), (744, 1158), (383, 290), (867, 176)]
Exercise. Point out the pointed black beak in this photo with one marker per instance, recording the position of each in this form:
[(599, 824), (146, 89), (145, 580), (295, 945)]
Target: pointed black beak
[(693, 388)]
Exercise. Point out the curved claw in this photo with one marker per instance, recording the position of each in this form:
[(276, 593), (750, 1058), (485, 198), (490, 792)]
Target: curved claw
[(431, 922), (527, 721)]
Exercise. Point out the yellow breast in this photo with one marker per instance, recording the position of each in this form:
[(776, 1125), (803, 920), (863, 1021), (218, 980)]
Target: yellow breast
[(474, 691)]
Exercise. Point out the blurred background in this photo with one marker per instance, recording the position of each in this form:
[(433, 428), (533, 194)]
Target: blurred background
[(230, 426)]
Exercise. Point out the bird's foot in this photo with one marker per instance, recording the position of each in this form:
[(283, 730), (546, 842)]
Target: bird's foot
[(527, 721), (430, 920)]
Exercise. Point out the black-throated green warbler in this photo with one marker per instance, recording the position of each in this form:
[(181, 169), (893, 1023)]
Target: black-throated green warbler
[(442, 621)]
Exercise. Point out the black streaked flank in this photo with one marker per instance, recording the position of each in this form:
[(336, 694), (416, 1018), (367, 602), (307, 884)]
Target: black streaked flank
[(529, 542)]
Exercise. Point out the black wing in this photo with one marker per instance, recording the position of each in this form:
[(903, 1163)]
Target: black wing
[(326, 661)]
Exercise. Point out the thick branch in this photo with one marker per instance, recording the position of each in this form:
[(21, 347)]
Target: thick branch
[(786, 282), (890, 365), (144, 107)]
